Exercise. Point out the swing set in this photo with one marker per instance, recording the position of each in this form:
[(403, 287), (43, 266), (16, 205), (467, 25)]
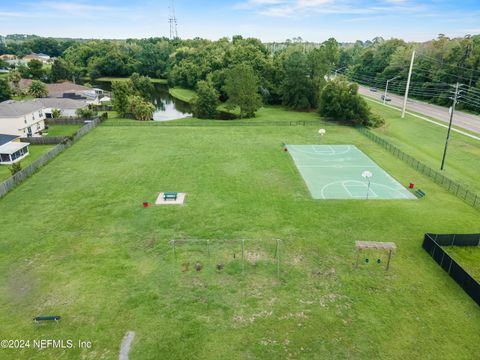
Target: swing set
[(388, 247)]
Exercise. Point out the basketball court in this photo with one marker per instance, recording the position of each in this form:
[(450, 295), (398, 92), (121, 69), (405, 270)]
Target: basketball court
[(335, 172)]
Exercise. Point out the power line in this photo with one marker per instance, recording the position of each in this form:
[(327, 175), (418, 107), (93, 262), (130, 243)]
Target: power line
[(441, 62)]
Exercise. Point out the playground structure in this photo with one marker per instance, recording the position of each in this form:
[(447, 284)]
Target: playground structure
[(388, 247), (207, 255)]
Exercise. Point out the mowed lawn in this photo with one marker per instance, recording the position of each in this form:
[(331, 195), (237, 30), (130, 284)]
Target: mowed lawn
[(36, 151), (426, 142), (468, 257), (76, 242), (63, 130)]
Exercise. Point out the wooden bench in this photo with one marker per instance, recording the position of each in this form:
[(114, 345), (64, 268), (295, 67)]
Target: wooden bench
[(46, 318), (170, 196), (420, 194)]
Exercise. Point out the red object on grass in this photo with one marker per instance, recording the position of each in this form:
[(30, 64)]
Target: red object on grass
[(145, 204), (411, 186)]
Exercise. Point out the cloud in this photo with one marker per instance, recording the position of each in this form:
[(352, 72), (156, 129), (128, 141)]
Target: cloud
[(301, 8)]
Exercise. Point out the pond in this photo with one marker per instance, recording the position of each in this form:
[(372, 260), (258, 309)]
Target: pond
[(167, 107)]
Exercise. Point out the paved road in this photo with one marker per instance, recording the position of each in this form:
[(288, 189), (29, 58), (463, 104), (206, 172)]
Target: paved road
[(461, 119)]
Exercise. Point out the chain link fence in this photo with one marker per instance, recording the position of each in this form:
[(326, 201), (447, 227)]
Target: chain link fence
[(455, 188), (210, 123)]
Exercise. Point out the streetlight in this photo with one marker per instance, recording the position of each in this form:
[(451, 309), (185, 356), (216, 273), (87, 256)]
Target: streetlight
[(386, 89), (367, 175)]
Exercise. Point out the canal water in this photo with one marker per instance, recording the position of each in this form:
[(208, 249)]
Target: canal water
[(167, 107)]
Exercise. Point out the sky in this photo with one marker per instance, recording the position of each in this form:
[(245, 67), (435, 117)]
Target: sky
[(269, 20)]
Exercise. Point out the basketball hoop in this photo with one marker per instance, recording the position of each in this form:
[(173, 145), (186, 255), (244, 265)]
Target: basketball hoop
[(367, 175)]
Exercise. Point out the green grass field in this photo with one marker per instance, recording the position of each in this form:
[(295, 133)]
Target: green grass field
[(426, 141), (63, 130), (35, 152), (76, 242), (468, 257), (182, 94), (110, 79)]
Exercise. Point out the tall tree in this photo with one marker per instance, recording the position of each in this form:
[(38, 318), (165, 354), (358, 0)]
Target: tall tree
[(14, 78), (38, 89), (140, 108), (339, 100), (5, 92), (142, 85), (205, 104), (121, 90), (35, 70), (297, 86), (61, 70), (241, 86)]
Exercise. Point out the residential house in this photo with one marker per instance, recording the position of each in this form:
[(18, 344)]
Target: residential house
[(22, 118), (43, 58), (12, 60), (6, 57), (67, 89), (67, 107), (11, 149)]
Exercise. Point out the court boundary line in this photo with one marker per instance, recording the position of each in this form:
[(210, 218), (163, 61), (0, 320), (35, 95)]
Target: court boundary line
[(395, 190)]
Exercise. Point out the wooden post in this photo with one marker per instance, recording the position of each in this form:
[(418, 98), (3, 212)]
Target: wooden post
[(389, 258), (278, 259), (358, 256), (243, 264)]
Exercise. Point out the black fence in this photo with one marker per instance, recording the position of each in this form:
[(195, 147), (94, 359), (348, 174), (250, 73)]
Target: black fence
[(457, 189), (432, 243)]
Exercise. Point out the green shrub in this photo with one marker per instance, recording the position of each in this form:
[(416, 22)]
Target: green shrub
[(15, 168)]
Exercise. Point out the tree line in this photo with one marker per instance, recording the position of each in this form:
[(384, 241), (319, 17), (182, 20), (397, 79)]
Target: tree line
[(292, 74)]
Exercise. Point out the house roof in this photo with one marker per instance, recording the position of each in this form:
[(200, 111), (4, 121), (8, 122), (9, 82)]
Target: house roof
[(8, 57), (66, 86), (11, 147), (57, 88), (62, 103), (12, 108), (4, 138), (36, 56)]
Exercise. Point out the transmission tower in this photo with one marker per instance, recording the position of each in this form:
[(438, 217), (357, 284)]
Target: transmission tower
[(173, 21)]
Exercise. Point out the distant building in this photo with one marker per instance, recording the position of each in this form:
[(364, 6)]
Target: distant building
[(12, 150), (11, 59), (22, 118), (6, 57), (45, 59)]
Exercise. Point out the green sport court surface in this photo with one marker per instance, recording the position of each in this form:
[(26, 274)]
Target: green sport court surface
[(335, 172)]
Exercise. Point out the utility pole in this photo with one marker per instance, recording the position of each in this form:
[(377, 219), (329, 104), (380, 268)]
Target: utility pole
[(386, 89), (408, 85), (173, 21), (452, 109)]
